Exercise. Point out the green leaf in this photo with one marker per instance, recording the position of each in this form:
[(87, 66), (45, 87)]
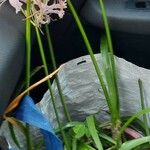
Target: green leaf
[(83, 146), (145, 116), (108, 138), (132, 118), (68, 125), (79, 130), (109, 75), (92, 129), (136, 124), (13, 136), (87, 132), (134, 143), (74, 144)]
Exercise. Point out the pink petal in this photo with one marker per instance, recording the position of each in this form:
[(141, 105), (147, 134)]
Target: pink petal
[(16, 4)]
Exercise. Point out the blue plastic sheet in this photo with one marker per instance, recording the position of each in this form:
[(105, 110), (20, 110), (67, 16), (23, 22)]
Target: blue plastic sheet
[(29, 113)]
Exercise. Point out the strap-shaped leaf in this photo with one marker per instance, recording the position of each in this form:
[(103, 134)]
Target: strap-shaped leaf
[(93, 132), (134, 143)]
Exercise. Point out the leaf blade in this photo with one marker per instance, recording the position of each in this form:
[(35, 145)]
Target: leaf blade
[(93, 132)]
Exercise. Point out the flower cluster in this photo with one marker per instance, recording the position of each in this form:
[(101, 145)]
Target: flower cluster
[(41, 10)]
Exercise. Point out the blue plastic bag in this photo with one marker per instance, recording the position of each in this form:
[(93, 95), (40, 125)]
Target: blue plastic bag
[(29, 113)]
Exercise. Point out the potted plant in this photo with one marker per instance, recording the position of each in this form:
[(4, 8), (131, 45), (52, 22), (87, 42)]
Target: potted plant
[(90, 134)]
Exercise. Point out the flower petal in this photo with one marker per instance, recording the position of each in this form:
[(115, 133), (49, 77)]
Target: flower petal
[(16, 4)]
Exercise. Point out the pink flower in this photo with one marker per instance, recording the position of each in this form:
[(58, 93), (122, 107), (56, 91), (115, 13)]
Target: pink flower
[(41, 11), (16, 4)]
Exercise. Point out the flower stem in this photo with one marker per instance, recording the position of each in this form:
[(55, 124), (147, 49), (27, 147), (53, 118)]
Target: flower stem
[(49, 86), (57, 80), (89, 48), (28, 45), (28, 66)]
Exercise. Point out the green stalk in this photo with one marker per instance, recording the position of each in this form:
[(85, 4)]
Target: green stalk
[(49, 86), (28, 45), (88, 46), (56, 79), (143, 107), (110, 46), (99, 74), (106, 25), (74, 144), (28, 66)]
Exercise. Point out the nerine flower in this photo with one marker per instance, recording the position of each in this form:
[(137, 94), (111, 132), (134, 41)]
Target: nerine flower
[(41, 11)]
